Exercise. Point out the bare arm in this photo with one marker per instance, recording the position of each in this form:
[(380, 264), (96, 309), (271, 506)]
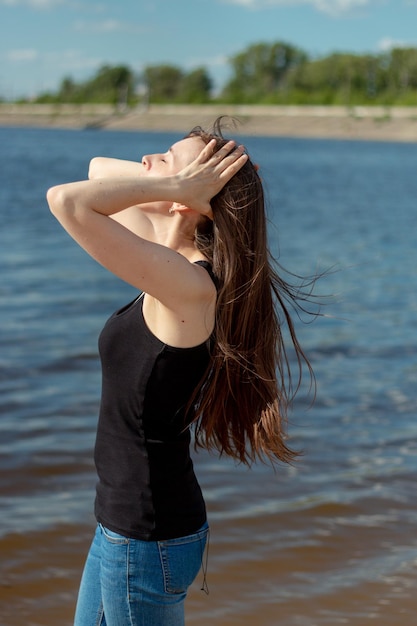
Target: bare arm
[(132, 217), (83, 209), (104, 167)]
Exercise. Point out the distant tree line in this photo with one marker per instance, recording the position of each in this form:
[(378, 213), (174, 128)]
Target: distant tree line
[(276, 73)]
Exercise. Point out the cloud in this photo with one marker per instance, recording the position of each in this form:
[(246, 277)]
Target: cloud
[(107, 26), (72, 61), (340, 7), (215, 61), (388, 43), (31, 72), (60, 61), (34, 4), (23, 55), (335, 8)]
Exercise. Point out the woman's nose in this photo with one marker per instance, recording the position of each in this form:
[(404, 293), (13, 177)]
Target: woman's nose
[(146, 161)]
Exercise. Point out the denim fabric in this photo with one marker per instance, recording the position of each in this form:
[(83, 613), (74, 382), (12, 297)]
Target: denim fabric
[(128, 582)]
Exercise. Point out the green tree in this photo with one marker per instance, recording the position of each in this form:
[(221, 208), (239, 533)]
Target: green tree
[(339, 78), (261, 71), (164, 83), (68, 89), (196, 87), (112, 85), (401, 75)]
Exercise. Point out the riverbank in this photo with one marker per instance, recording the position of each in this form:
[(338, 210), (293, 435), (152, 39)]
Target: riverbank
[(367, 123)]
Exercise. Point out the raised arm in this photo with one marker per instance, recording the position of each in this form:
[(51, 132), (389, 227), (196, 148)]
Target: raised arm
[(83, 209), (105, 167)]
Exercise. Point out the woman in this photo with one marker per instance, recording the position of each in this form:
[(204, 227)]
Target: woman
[(202, 344)]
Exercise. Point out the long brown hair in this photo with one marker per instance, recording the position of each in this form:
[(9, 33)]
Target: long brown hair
[(241, 407)]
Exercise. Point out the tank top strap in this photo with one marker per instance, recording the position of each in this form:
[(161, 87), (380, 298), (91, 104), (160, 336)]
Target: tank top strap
[(207, 266)]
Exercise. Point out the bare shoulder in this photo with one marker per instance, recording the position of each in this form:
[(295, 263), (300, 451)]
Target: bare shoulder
[(186, 321)]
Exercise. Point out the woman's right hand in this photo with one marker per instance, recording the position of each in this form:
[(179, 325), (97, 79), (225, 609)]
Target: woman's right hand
[(202, 179)]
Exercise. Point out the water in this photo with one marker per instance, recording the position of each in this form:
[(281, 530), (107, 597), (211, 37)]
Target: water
[(329, 541)]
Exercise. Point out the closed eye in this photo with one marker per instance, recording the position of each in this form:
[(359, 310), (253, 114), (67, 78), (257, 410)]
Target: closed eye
[(164, 159)]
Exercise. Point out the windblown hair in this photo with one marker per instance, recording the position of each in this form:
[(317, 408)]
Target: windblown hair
[(241, 407)]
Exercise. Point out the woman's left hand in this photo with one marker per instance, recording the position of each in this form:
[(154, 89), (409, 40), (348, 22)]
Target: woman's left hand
[(208, 173)]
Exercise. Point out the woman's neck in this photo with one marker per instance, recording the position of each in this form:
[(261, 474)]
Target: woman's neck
[(175, 231)]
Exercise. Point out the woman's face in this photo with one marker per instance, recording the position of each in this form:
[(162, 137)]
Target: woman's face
[(175, 159)]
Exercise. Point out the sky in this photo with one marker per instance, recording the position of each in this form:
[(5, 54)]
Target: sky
[(44, 41)]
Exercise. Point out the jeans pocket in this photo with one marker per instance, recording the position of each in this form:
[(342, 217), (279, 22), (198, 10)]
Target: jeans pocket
[(113, 537), (181, 560)]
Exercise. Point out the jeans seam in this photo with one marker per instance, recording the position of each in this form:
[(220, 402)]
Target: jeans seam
[(129, 545), (164, 566), (185, 540), (100, 615), (163, 548)]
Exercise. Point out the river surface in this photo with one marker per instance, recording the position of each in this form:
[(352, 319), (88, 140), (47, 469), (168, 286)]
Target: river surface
[(331, 540)]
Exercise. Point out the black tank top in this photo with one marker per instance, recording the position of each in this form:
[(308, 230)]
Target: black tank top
[(147, 488)]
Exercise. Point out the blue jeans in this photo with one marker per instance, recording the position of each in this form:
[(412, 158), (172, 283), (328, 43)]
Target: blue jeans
[(128, 582)]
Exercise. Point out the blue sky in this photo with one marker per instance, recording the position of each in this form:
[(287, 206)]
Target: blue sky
[(43, 41)]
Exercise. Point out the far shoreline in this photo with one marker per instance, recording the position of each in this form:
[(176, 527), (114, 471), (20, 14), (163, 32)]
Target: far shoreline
[(376, 123)]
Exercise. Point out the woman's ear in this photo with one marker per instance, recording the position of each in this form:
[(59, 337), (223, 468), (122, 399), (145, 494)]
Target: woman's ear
[(179, 208)]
